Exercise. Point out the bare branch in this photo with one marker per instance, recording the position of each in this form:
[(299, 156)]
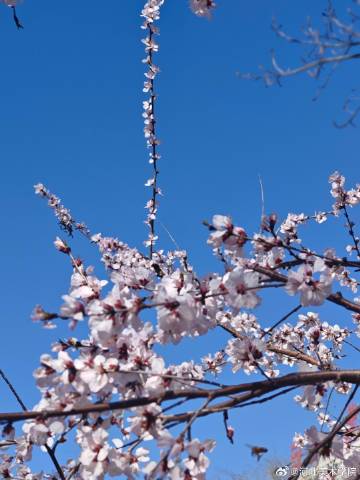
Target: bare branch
[(325, 48)]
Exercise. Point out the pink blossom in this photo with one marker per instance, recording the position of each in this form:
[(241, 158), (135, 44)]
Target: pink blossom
[(241, 287), (227, 235), (312, 291), (95, 451), (245, 353), (197, 462)]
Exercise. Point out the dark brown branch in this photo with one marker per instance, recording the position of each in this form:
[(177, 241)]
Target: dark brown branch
[(13, 391), (154, 154), (347, 403), (293, 379), (237, 402), (344, 262), (287, 352)]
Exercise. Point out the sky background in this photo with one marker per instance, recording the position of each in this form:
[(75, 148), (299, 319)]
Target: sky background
[(70, 117)]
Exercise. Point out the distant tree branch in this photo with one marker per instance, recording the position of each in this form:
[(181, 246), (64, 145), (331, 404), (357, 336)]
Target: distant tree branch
[(325, 49)]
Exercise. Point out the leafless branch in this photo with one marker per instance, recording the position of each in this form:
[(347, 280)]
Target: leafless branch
[(324, 49)]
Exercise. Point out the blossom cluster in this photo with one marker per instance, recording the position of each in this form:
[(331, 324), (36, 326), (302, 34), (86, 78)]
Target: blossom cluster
[(119, 361)]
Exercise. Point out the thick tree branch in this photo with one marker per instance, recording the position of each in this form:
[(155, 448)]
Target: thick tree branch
[(238, 402), (290, 380)]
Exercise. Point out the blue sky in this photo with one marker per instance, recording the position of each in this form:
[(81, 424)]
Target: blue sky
[(70, 117)]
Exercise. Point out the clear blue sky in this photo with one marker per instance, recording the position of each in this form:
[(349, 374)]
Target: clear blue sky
[(70, 117)]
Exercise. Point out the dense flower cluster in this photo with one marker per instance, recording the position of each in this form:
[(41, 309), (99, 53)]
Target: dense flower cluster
[(118, 360)]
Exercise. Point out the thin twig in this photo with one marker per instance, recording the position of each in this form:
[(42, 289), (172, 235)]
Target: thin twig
[(49, 451), (285, 317), (13, 391), (18, 24), (350, 226)]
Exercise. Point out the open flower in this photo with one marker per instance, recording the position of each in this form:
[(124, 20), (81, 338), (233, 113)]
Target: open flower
[(224, 233), (240, 285), (245, 353), (312, 291)]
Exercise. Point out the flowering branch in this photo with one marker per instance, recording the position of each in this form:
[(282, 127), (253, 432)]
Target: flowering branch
[(63, 215), (336, 298), (254, 389), (151, 13)]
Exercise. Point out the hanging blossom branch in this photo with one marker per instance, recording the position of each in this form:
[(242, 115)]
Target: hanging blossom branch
[(324, 50)]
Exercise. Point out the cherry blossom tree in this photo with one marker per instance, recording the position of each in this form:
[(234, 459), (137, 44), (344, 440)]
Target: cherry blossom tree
[(130, 414)]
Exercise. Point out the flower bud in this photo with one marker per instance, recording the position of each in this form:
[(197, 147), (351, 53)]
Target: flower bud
[(62, 246)]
